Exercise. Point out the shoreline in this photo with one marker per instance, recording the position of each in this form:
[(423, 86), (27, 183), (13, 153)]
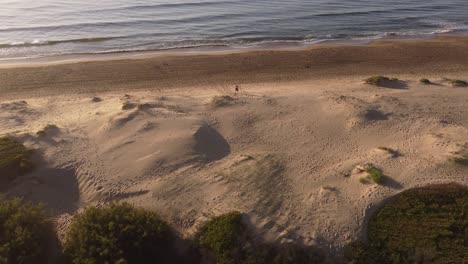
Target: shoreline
[(442, 56), (42, 60)]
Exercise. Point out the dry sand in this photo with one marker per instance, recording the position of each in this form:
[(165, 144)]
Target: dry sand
[(162, 134)]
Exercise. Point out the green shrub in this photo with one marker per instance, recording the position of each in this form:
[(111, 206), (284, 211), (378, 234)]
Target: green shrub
[(422, 225), (119, 233), (292, 253), (25, 233), (375, 175), (223, 239), (425, 81), (15, 160)]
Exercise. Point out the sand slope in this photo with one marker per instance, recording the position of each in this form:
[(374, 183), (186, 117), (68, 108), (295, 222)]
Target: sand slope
[(282, 153)]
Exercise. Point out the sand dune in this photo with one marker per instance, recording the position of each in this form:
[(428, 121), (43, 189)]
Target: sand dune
[(284, 153)]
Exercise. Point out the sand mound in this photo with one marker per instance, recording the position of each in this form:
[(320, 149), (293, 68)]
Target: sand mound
[(210, 144), (223, 100)]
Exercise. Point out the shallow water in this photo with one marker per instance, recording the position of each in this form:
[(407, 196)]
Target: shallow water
[(52, 27)]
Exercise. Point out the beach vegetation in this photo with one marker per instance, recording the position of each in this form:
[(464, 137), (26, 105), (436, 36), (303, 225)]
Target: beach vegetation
[(375, 175), (377, 80), (222, 239), (421, 225), (425, 81), (460, 157), (50, 128), (390, 151), (128, 106), (96, 99), (458, 83), (119, 233), (15, 159), (25, 232), (226, 240)]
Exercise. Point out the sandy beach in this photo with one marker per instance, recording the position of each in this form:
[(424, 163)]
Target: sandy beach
[(168, 132)]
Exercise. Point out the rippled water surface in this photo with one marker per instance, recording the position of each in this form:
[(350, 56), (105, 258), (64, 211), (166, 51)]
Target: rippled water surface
[(31, 28)]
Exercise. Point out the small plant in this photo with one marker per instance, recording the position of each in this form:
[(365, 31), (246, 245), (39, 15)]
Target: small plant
[(457, 83), (128, 106), (375, 175), (425, 81), (46, 130), (96, 99), (119, 233), (15, 159), (460, 157), (391, 151), (371, 174), (380, 80), (25, 232)]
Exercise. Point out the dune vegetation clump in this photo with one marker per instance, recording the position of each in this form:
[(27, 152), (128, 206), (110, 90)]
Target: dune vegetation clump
[(222, 239), (425, 81), (392, 152), (128, 106), (50, 128), (460, 157), (119, 233), (457, 83), (375, 175), (380, 80), (25, 233), (226, 240), (422, 225), (15, 159), (368, 173)]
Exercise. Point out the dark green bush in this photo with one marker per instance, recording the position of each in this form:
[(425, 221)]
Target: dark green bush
[(223, 239), (292, 253), (25, 233), (15, 159), (119, 233), (422, 225), (375, 175)]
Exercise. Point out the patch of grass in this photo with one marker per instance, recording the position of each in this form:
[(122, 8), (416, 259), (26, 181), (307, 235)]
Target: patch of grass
[(226, 240), (391, 151), (457, 83), (460, 157), (25, 233), (425, 81), (422, 225), (375, 175), (46, 130), (119, 233), (15, 159), (128, 106), (380, 80)]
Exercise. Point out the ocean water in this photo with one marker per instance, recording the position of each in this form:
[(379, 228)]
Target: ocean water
[(32, 28)]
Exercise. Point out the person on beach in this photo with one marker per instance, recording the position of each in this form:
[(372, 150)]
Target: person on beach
[(236, 90)]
